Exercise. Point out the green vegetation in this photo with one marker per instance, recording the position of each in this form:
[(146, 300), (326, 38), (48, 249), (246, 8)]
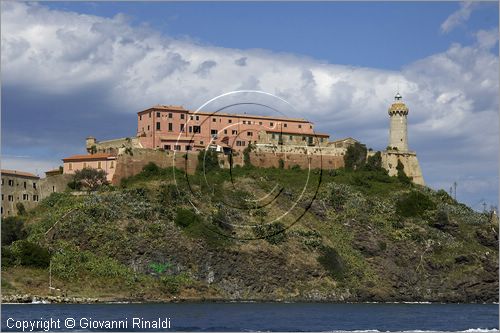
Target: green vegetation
[(355, 156), (414, 204), (366, 236), (88, 179)]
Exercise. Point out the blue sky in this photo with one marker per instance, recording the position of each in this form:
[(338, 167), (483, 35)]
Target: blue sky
[(373, 34), (70, 70)]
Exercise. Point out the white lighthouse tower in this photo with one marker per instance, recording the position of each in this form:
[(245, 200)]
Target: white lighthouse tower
[(398, 132)]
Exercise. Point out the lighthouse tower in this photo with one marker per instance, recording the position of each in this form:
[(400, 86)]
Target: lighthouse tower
[(397, 151), (398, 132)]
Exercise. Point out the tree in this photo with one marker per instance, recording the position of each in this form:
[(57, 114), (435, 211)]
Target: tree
[(21, 210), (355, 156), (403, 178), (90, 178), (12, 230), (374, 162), (208, 160)]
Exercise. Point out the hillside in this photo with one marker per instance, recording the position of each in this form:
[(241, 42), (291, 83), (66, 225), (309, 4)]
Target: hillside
[(255, 234)]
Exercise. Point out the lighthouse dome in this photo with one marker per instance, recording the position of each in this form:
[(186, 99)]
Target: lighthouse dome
[(398, 107)]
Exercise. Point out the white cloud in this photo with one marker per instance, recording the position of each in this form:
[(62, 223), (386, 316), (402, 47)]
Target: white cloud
[(453, 96), (459, 17)]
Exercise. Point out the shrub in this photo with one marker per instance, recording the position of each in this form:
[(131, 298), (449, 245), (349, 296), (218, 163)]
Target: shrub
[(403, 178), (414, 204), (8, 257), (207, 161), (281, 164), (185, 217), (332, 262), (12, 230), (173, 283), (30, 254), (339, 193), (151, 169), (274, 233), (355, 156)]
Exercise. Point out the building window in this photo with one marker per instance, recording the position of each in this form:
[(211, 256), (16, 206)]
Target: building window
[(182, 116), (2, 181), (24, 185), (170, 115), (2, 197), (11, 182), (285, 125), (234, 132), (321, 140), (244, 122), (140, 117), (249, 133), (182, 127), (214, 120), (188, 148), (196, 129), (271, 124), (190, 129), (150, 114), (10, 198), (191, 117), (290, 138), (158, 126), (148, 127), (35, 197), (99, 165), (225, 131), (158, 114), (197, 117), (70, 166), (230, 121), (300, 126), (310, 127), (274, 136), (260, 123), (170, 127), (25, 197), (240, 143), (303, 138), (112, 165), (177, 147), (201, 142), (166, 147)]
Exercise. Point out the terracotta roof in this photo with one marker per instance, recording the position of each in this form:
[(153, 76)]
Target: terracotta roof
[(298, 133), (18, 173), (89, 157), (164, 107), (221, 114)]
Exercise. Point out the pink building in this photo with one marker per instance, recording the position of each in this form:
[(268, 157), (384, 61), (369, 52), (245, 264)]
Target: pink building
[(175, 128), (100, 161)]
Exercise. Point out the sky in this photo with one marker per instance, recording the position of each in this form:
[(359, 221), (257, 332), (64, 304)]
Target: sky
[(74, 69)]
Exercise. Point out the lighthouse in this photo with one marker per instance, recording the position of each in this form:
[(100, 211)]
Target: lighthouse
[(397, 150), (398, 131)]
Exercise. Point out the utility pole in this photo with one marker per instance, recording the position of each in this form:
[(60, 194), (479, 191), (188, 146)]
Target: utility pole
[(455, 187)]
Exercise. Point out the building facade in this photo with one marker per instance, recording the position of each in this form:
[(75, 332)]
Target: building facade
[(179, 129), (99, 161), (18, 187)]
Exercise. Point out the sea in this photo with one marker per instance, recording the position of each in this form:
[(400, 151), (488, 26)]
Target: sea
[(247, 317)]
